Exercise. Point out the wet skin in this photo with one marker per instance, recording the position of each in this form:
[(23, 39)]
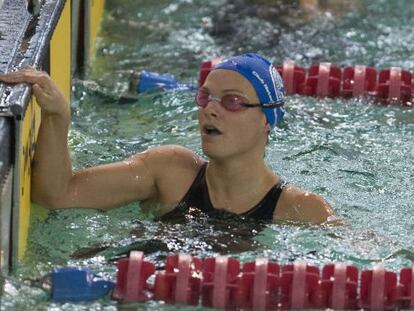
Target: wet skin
[(234, 142)]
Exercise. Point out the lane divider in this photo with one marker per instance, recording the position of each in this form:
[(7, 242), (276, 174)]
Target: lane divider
[(388, 86), (222, 283)]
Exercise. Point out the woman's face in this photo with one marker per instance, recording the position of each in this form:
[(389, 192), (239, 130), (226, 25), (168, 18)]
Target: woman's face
[(224, 133)]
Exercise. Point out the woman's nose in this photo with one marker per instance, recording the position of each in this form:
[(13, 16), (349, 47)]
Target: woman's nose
[(212, 107)]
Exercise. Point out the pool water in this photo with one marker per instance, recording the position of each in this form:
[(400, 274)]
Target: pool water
[(355, 153)]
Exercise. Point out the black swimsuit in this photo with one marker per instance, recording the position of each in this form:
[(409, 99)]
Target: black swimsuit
[(198, 197)]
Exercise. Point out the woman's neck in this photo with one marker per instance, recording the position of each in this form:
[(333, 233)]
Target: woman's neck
[(238, 185)]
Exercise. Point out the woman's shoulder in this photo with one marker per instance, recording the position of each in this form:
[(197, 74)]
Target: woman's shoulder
[(171, 156), (169, 163), (174, 169), (296, 204), (175, 163)]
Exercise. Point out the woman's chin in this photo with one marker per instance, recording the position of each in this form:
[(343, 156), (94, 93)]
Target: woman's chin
[(212, 152)]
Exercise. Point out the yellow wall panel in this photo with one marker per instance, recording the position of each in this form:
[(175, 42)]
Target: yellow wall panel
[(60, 52), (30, 128)]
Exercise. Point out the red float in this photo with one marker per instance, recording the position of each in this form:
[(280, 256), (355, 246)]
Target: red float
[(324, 80), (205, 69), (394, 85), (299, 286), (378, 289), (294, 77), (406, 295), (259, 285), (339, 285), (181, 280), (133, 273), (220, 282), (358, 80)]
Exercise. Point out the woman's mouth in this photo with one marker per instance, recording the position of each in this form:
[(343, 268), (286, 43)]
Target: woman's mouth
[(211, 130)]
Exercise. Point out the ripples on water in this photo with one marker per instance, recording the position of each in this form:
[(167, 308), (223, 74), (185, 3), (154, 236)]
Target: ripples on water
[(356, 154)]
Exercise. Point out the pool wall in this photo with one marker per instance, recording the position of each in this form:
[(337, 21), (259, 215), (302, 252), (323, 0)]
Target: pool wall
[(44, 38)]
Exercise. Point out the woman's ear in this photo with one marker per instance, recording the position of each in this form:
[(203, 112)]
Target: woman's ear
[(268, 130), (268, 127)]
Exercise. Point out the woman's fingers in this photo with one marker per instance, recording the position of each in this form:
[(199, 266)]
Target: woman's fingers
[(38, 91), (26, 76), (44, 89)]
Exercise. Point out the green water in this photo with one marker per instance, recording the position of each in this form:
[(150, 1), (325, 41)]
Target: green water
[(358, 155)]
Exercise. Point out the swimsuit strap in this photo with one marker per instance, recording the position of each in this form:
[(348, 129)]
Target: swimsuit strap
[(197, 196), (266, 207)]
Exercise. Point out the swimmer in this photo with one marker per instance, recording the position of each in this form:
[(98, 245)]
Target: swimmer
[(239, 104)]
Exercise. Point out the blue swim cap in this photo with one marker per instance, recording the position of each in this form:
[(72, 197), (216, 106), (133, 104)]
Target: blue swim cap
[(265, 80)]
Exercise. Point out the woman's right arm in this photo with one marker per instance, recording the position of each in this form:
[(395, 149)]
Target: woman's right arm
[(54, 185)]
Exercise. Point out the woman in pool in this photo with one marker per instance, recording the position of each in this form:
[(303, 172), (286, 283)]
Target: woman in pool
[(239, 104)]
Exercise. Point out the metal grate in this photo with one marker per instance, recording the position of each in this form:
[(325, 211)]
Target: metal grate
[(24, 40)]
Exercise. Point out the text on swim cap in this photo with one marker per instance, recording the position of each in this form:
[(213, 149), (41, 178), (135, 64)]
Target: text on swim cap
[(269, 94)]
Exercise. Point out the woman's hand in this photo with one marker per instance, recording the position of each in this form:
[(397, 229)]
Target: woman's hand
[(47, 94)]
